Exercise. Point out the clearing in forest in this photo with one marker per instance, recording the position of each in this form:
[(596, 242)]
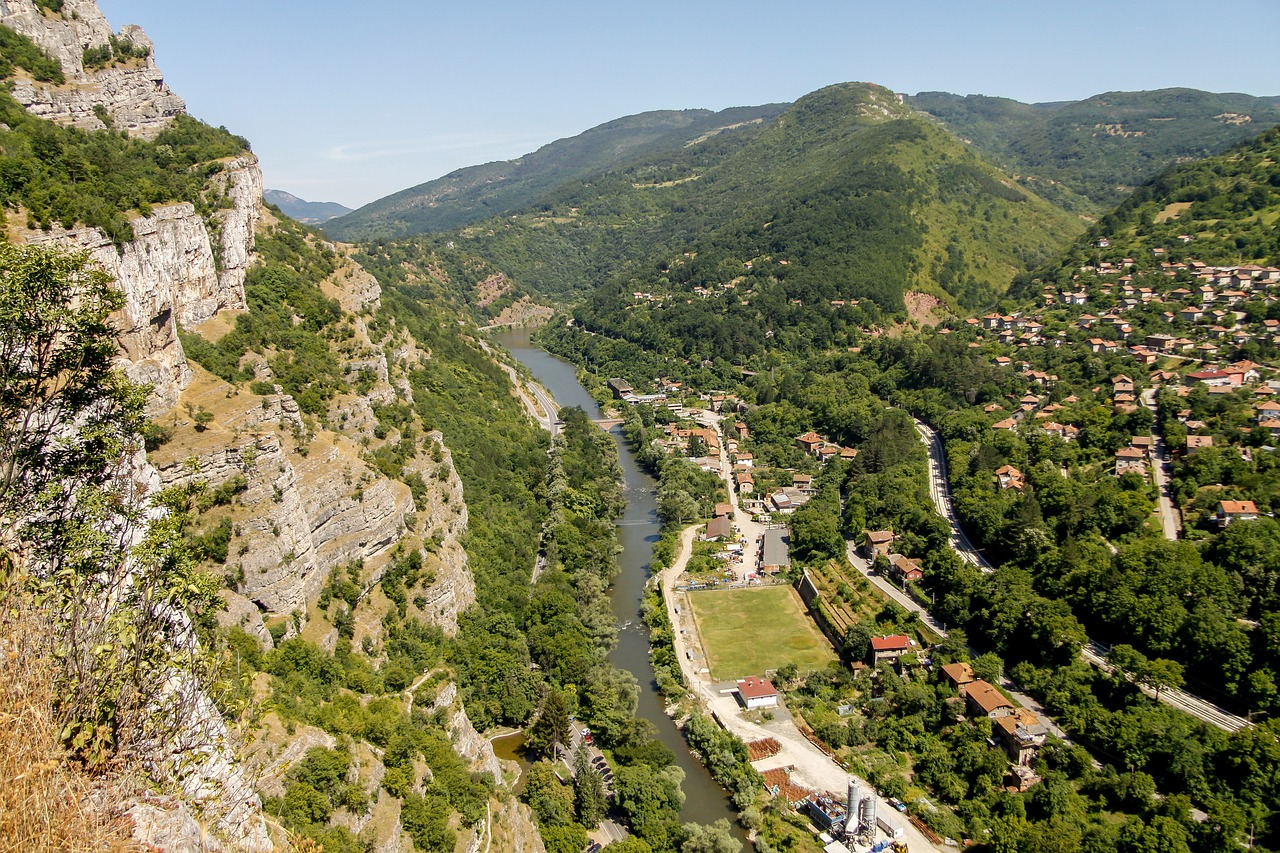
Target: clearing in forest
[(748, 631)]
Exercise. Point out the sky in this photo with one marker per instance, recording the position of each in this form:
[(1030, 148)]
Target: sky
[(350, 103)]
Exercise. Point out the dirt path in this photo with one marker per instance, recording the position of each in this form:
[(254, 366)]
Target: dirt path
[(811, 767)]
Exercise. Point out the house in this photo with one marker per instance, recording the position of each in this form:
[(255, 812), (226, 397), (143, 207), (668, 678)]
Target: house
[(1006, 424), (1215, 378), (1131, 459), (723, 509), (717, 528), (959, 674), (983, 700), (1229, 511), (1198, 442), (809, 442), (1010, 478), (877, 543), (1145, 443), (848, 454), (741, 429), (744, 460), (905, 570), (757, 693), (1122, 385), (746, 483), (1021, 733), (890, 647)]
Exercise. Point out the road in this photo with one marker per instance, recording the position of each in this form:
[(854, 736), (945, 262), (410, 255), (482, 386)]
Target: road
[(540, 404), (750, 530), (1160, 465), (1093, 653), (811, 767)]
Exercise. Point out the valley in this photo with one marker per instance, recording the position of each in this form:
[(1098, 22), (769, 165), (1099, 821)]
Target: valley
[(909, 452)]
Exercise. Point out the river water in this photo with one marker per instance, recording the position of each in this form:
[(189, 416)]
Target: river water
[(638, 530)]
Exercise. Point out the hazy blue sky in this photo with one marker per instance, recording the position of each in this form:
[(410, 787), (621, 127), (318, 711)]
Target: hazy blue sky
[(349, 102)]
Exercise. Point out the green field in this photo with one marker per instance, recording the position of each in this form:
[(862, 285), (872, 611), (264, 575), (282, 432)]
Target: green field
[(748, 631)]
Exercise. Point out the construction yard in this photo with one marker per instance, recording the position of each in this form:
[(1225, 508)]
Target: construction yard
[(755, 630)]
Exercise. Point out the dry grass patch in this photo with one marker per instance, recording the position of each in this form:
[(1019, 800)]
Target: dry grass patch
[(45, 802)]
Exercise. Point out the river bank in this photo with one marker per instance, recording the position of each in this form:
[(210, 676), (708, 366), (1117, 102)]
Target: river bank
[(638, 531)]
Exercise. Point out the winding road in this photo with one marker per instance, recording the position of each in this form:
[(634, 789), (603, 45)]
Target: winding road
[(1093, 653)]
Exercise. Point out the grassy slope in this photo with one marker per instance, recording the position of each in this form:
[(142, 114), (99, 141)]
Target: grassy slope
[(478, 192), (868, 194)]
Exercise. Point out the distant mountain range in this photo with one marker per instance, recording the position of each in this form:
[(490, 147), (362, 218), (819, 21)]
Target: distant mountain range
[(309, 212), (478, 192), (1083, 156)]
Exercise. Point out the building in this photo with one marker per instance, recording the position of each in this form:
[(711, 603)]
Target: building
[(757, 693), (983, 700), (809, 442), (1229, 511), (890, 647), (775, 550), (621, 388), (717, 529), (1021, 733), (960, 675), (1010, 478), (904, 569), (1131, 459), (878, 542)]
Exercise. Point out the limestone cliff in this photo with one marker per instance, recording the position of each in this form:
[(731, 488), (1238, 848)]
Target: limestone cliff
[(172, 275), (133, 92)]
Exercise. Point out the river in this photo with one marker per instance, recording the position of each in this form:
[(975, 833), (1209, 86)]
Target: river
[(638, 529)]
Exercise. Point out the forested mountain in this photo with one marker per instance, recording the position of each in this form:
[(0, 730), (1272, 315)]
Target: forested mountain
[(1087, 155), (819, 224), (478, 192)]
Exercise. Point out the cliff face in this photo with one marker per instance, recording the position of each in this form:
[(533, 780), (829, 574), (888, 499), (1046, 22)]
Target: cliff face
[(133, 93), (174, 273), (309, 500)]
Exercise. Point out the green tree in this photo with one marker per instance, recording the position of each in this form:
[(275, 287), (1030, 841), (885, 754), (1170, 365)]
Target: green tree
[(588, 790), (988, 667), (711, 838), (550, 731), (69, 425)]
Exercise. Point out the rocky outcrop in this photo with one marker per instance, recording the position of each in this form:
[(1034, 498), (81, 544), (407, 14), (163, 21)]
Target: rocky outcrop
[(169, 275), (133, 93), (466, 740)]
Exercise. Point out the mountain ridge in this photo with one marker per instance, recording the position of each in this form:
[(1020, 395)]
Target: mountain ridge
[(477, 192), (306, 212)]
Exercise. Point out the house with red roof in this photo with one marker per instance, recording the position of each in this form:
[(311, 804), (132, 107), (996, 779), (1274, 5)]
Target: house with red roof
[(757, 693), (890, 647), (1229, 511)]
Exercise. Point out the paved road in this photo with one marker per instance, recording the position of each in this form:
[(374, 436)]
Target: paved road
[(1160, 464), (1093, 653), (750, 529)]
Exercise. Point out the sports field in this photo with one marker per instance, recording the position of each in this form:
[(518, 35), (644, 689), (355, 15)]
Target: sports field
[(748, 631)]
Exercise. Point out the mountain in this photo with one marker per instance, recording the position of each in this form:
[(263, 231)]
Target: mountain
[(233, 617), (1087, 155), (306, 212), (845, 208), (1220, 211), (478, 192)]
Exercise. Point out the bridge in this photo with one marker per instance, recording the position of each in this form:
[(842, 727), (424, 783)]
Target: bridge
[(607, 424)]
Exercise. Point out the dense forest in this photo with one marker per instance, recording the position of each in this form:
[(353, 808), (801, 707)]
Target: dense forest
[(1088, 155)]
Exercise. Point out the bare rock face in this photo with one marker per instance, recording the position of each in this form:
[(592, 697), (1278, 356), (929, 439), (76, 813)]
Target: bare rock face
[(466, 740), (133, 93), (169, 276)]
